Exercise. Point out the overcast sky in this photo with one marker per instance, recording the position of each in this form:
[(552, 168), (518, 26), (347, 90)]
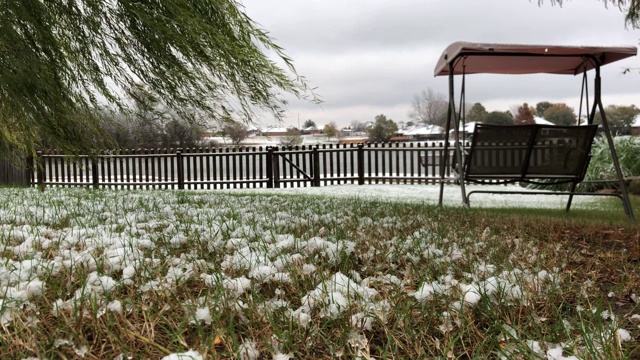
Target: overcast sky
[(370, 57)]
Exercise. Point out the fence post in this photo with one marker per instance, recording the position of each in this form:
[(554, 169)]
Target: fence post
[(180, 164), (40, 170), (269, 167), (94, 172), (361, 164), (316, 166)]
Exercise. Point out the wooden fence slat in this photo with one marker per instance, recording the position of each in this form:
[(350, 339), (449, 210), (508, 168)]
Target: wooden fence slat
[(234, 164)]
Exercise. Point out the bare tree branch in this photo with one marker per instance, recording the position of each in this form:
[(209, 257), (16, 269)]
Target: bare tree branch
[(428, 107)]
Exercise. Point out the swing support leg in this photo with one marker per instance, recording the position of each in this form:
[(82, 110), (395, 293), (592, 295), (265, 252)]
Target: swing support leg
[(607, 132), (571, 191)]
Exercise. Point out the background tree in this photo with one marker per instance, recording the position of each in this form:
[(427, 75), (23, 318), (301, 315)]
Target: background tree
[(358, 126), (64, 60), (292, 138), (560, 114), (236, 131), (429, 107), (383, 129), (148, 118), (141, 127), (620, 118), (121, 128), (498, 118), (130, 131), (150, 124), (524, 115), (181, 133), (477, 113), (309, 123), (330, 130), (541, 107)]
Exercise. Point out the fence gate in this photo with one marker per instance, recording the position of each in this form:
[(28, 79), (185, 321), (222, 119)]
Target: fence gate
[(295, 168)]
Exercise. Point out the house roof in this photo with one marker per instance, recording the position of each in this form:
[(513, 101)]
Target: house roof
[(275, 130), (542, 121), (424, 130), (478, 58), (468, 127)]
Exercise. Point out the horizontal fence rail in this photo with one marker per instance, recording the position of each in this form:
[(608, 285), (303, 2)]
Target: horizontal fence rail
[(245, 167)]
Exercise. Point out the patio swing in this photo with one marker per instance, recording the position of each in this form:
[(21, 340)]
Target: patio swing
[(531, 154)]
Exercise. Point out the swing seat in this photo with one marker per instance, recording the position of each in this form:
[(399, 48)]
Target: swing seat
[(536, 154)]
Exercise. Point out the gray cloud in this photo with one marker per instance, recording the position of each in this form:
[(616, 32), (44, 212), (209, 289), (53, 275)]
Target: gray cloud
[(371, 56)]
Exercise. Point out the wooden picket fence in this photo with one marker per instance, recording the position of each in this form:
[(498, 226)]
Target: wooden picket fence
[(245, 167)]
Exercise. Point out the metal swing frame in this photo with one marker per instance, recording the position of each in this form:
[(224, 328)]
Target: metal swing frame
[(462, 58)]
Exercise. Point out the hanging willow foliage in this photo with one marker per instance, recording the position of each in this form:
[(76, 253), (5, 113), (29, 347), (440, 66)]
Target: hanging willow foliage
[(62, 60), (630, 7)]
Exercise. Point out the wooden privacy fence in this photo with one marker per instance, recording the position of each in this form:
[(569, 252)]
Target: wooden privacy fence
[(15, 174), (246, 167)]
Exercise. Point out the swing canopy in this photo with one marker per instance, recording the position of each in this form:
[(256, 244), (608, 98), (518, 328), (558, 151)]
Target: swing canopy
[(483, 58)]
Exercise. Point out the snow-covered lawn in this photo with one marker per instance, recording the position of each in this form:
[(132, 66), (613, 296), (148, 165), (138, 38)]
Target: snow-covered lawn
[(191, 275), (429, 194)]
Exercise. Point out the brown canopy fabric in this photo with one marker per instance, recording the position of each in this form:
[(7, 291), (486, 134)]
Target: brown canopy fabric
[(478, 58)]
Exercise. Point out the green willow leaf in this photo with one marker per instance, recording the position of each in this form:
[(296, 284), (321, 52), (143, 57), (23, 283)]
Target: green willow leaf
[(631, 8), (62, 62)]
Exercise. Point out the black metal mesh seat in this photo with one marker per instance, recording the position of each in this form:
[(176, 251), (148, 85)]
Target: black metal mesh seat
[(529, 153)]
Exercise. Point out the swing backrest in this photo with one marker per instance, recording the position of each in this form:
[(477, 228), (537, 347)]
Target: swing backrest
[(521, 153)]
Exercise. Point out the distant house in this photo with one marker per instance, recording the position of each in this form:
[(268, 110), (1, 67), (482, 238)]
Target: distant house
[(467, 130), (635, 126), (252, 130), (423, 132), (347, 131), (209, 133), (274, 131), (311, 130), (541, 121)]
